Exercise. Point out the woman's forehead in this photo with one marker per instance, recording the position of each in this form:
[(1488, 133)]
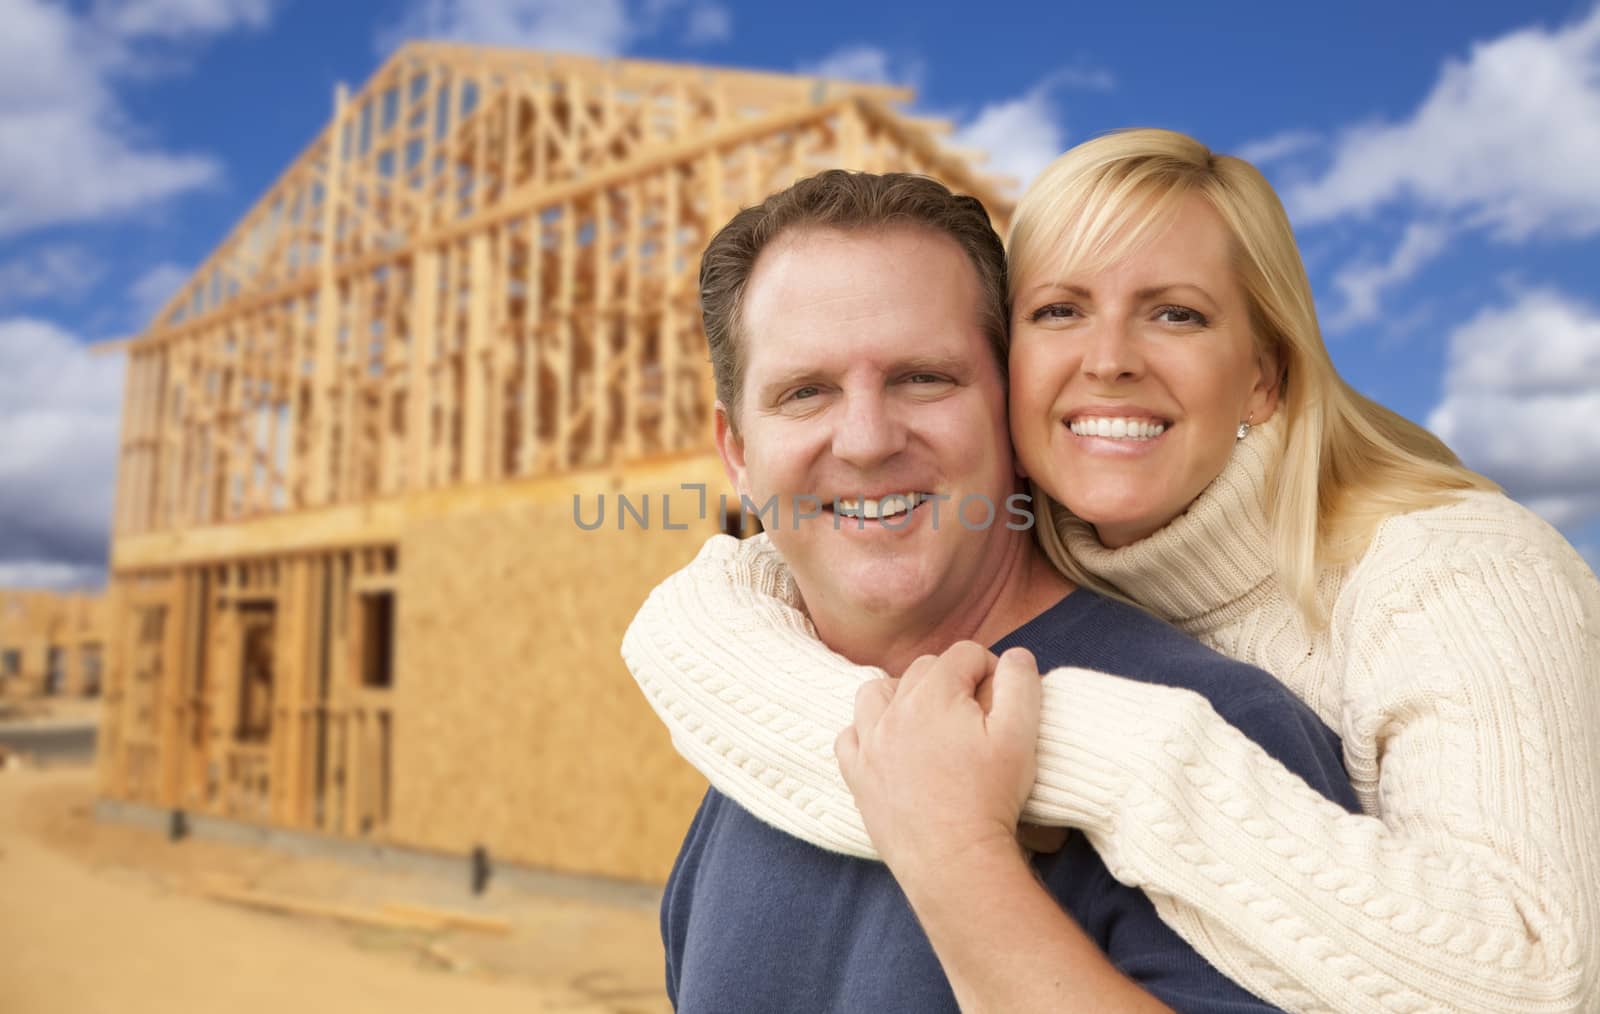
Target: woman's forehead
[(1184, 237)]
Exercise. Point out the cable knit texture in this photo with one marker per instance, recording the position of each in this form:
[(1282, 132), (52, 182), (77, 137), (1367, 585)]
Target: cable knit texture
[(1461, 668)]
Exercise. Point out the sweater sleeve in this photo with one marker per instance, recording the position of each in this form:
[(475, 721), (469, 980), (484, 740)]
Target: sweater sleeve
[(1472, 890)]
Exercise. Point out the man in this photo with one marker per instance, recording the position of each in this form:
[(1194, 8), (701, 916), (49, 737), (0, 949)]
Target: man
[(857, 326)]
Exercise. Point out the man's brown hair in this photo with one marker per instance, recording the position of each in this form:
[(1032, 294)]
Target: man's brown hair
[(848, 202)]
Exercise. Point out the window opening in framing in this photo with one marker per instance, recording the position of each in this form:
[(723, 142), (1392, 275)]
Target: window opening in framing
[(55, 671), (257, 625), (89, 666), (377, 640)]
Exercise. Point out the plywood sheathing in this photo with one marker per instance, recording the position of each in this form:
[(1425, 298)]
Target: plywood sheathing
[(517, 725)]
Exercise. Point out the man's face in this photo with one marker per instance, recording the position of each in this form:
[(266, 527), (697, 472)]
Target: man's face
[(868, 376)]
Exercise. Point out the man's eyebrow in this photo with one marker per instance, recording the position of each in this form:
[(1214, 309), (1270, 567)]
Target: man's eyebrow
[(958, 365), (789, 378)]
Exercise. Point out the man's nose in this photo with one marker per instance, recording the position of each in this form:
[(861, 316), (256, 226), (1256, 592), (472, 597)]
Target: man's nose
[(1113, 354), (869, 430)]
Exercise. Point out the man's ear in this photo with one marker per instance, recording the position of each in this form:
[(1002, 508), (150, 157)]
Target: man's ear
[(730, 446)]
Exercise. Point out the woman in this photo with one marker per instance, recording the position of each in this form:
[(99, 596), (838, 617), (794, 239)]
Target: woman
[(1197, 454)]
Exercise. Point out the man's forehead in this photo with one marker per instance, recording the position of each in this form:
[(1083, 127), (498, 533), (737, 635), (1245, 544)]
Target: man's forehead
[(821, 279), (822, 241)]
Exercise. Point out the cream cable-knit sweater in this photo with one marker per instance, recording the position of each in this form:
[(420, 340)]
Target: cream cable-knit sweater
[(1461, 668)]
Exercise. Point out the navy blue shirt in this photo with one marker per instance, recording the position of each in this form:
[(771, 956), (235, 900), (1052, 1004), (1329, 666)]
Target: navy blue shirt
[(755, 920)]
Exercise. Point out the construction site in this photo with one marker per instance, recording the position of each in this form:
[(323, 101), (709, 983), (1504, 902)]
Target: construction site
[(358, 654), (51, 644), (348, 593)]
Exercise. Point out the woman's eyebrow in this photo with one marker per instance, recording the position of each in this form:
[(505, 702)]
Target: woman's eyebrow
[(1148, 292), (1067, 287), (1152, 291)]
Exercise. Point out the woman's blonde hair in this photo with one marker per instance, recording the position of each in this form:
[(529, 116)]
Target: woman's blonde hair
[(1346, 463)]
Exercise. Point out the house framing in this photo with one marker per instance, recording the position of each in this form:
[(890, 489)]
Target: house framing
[(50, 643), (347, 592)]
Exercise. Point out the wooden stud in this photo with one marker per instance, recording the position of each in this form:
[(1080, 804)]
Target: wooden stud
[(474, 359), (326, 365)]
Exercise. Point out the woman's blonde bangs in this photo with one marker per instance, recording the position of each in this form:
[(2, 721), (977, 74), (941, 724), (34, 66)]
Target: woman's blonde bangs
[(1097, 215)]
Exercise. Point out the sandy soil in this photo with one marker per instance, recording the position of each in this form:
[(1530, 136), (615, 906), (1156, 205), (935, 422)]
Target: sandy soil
[(105, 917)]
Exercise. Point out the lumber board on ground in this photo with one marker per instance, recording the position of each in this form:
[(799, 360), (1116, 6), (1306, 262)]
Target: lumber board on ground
[(286, 905), (453, 919)]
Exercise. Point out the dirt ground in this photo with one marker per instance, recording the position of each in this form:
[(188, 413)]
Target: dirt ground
[(101, 916)]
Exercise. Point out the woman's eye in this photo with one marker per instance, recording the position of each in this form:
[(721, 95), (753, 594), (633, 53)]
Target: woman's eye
[(1181, 315), (1054, 311)]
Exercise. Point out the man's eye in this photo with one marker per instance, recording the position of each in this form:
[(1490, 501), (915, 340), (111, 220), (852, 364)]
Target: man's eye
[(800, 393), (925, 378), (1054, 311), (1181, 315)]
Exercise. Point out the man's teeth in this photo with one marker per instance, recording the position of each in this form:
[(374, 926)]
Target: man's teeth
[(886, 507), (1118, 429)]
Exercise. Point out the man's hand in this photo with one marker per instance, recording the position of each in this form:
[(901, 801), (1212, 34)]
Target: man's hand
[(1038, 839), (938, 778)]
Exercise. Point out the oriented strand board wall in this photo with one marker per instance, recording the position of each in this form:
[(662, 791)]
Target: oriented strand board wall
[(517, 725)]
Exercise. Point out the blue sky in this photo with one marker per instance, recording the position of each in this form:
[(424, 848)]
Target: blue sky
[(1441, 163)]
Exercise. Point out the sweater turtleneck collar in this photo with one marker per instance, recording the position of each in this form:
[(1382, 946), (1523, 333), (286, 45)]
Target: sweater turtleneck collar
[(1212, 555)]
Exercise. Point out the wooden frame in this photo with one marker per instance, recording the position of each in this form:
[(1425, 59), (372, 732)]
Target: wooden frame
[(481, 272)]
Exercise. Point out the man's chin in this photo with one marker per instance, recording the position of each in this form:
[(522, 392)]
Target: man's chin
[(878, 588)]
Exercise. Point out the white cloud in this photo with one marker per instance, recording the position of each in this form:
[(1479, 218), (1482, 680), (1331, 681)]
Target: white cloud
[(52, 576), (1543, 341), (598, 27), (866, 64), (1521, 392), (1363, 284), (1021, 135), (1278, 147), (1566, 511), (708, 22), (1083, 77), (179, 18), (68, 151), (60, 272), (595, 27), (151, 290), (1024, 134), (1507, 140), (60, 408)]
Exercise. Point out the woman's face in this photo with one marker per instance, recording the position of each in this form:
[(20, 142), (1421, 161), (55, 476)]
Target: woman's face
[(1128, 385)]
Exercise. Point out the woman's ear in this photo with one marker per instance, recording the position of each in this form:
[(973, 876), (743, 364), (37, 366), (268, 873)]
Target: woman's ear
[(1268, 390)]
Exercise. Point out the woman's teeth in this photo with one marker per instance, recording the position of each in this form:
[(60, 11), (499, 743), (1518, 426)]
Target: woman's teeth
[(1117, 429)]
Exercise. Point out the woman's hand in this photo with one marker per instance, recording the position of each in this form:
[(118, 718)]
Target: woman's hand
[(939, 778)]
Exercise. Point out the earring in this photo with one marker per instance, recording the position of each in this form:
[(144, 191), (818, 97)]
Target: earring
[(1244, 428)]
